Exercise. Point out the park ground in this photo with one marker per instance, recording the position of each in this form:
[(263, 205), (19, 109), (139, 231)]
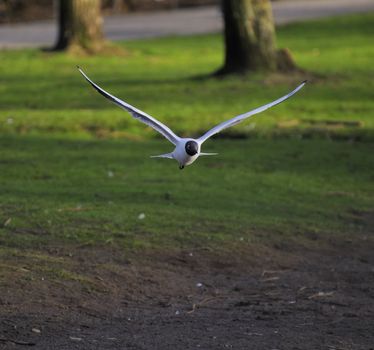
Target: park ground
[(266, 246)]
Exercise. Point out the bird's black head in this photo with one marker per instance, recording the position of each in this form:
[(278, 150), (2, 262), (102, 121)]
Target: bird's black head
[(191, 148)]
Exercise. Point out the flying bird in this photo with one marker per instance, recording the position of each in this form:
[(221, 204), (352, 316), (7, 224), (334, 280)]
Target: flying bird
[(186, 150)]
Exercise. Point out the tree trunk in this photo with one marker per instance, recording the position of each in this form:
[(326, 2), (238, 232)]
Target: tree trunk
[(80, 25), (250, 43)]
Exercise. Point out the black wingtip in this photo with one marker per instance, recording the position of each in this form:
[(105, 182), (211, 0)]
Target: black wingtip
[(79, 67), (305, 81)]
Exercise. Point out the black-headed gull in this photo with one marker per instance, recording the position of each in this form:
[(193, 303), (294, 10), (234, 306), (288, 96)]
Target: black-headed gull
[(187, 150)]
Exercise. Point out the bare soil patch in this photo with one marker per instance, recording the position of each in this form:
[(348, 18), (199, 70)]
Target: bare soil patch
[(314, 295)]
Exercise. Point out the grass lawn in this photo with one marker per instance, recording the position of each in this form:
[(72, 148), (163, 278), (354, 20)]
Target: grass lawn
[(75, 168)]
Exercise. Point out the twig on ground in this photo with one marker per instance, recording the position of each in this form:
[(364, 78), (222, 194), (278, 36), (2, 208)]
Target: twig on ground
[(321, 294), (207, 300), (17, 342)]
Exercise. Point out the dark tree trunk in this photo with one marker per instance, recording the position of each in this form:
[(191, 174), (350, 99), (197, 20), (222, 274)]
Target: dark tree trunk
[(250, 43), (80, 25)]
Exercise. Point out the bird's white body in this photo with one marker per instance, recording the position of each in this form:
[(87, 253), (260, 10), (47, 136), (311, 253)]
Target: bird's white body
[(187, 150), (180, 154)]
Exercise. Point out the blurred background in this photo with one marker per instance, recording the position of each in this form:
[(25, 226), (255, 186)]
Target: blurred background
[(200, 16), (23, 10), (274, 233)]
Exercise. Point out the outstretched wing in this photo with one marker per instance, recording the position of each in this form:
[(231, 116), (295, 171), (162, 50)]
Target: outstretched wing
[(241, 117), (136, 113)]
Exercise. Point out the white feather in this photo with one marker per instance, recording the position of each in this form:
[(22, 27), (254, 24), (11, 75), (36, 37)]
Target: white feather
[(241, 117), (137, 113)]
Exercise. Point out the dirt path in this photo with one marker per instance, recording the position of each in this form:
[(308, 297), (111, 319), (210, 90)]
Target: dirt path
[(177, 22), (315, 295)]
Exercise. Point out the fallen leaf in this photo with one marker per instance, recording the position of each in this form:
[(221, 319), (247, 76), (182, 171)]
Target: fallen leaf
[(7, 222), (75, 338)]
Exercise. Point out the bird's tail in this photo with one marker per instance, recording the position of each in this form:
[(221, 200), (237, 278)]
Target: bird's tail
[(208, 154), (166, 155)]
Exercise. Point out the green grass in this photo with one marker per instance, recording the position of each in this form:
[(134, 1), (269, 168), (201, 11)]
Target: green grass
[(76, 168), (44, 93), (94, 191)]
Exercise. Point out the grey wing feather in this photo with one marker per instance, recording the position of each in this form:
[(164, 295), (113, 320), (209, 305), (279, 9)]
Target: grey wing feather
[(136, 113), (241, 117)]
